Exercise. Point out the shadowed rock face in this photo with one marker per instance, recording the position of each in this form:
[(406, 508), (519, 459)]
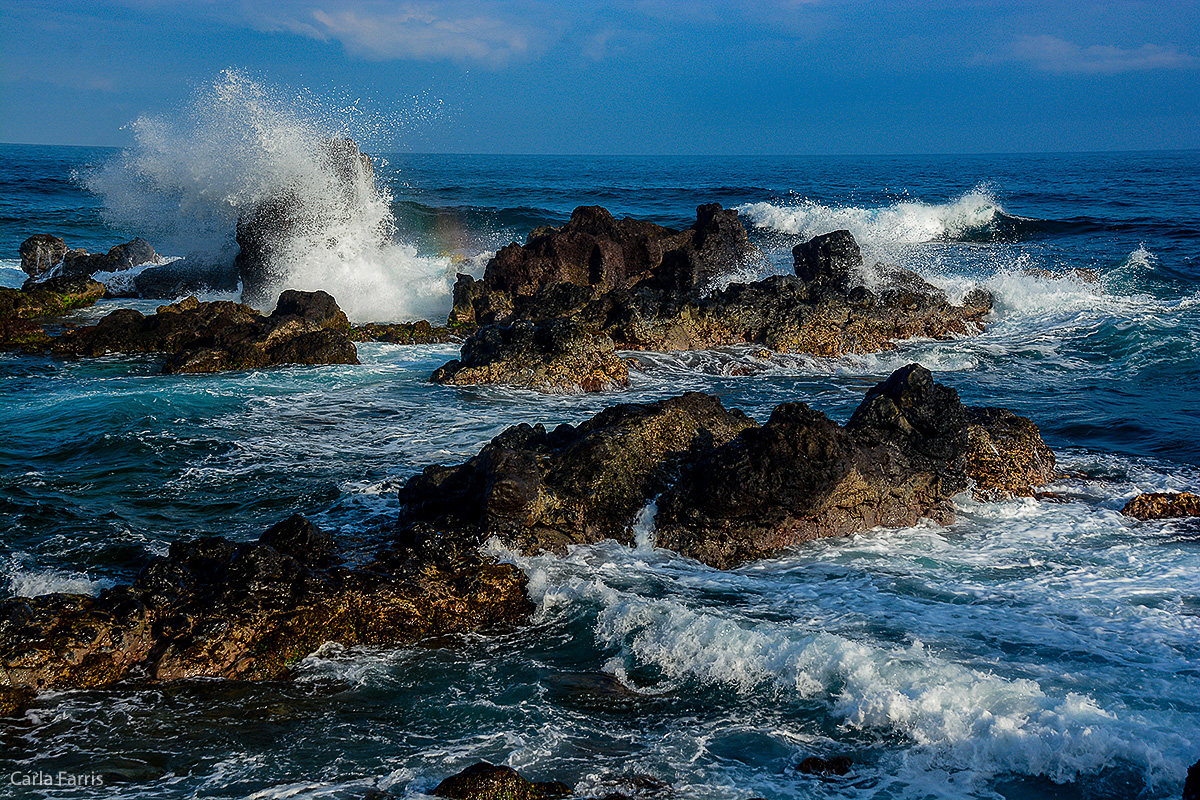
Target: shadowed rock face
[(213, 608), (555, 356), (305, 328), (484, 781), (43, 254), (643, 287), (727, 489)]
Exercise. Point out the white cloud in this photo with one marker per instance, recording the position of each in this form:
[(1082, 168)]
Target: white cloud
[(424, 32), (1056, 55)]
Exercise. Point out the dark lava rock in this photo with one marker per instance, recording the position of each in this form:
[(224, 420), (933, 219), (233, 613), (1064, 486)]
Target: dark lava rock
[(543, 490), (727, 489), (41, 253), (419, 332), (555, 356), (214, 608), (484, 781), (815, 765), (1191, 788), (305, 328), (647, 288), (185, 277), (52, 298), (832, 259), (1163, 505)]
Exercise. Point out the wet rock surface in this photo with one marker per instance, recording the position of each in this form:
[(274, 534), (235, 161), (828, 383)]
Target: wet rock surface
[(484, 781), (43, 255), (554, 356), (305, 328), (1163, 505), (727, 489), (215, 608), (21, 310), (650, 288)]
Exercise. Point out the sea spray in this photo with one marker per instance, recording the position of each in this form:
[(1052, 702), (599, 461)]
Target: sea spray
[(241, 145)]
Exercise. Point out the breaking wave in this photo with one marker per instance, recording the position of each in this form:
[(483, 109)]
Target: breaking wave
[(240, 144)]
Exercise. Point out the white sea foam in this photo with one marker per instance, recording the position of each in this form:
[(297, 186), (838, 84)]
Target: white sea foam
[(23, 583), (240, 143), (907, 222)]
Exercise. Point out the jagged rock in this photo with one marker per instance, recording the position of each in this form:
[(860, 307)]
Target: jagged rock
[(831, 259), (543, 490), (727, 489), (484, 781), (41, 253), (556, 356), (419, 332), (305, 328), (214, 608), (1163, 505), (52, 298), (644, 299)]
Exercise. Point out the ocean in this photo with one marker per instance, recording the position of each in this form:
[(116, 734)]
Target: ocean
[(1031, 649)]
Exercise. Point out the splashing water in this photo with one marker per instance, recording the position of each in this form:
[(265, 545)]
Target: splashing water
[(240, 144)]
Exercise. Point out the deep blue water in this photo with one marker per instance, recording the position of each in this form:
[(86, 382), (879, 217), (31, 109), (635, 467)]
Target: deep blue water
[(1028, 650)]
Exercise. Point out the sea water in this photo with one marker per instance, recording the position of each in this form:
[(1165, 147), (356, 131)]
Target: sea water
[(1029, 650)]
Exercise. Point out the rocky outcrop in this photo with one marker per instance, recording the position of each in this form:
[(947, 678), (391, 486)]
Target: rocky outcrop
[(181, 278), (43, 255), (305, 328), (419, 332), (19, 309), (484, 781), (648, 288), (727, 489), (556, 356), (215, 608), (1163, 505), (544, 490)]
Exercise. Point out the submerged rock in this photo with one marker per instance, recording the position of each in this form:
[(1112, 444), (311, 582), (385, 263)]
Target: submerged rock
[(1163, 505), (727, 489), (649, 288), (815, 765), (215, 608), (484, 781), (305, 328)]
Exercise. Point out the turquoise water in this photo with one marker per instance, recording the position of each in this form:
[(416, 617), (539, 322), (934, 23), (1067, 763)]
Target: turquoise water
[(1028, 650)]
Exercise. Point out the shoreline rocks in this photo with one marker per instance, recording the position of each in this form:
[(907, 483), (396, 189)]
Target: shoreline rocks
[(727, 489), (44, 255), (1163, 505), (214, 608), (644, 287), (304, 328)]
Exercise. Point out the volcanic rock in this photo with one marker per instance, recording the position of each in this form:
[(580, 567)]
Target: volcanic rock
[(727, 489), (555, 356), (305, 328), (215, 608), (484, 781), (1163, 505), (648, 288), (41, 253)]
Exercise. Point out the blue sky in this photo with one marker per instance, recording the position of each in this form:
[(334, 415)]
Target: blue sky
[(630, 76)]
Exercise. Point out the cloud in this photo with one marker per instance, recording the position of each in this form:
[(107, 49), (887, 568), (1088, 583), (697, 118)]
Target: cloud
[(1052, 54), (413, 31)]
